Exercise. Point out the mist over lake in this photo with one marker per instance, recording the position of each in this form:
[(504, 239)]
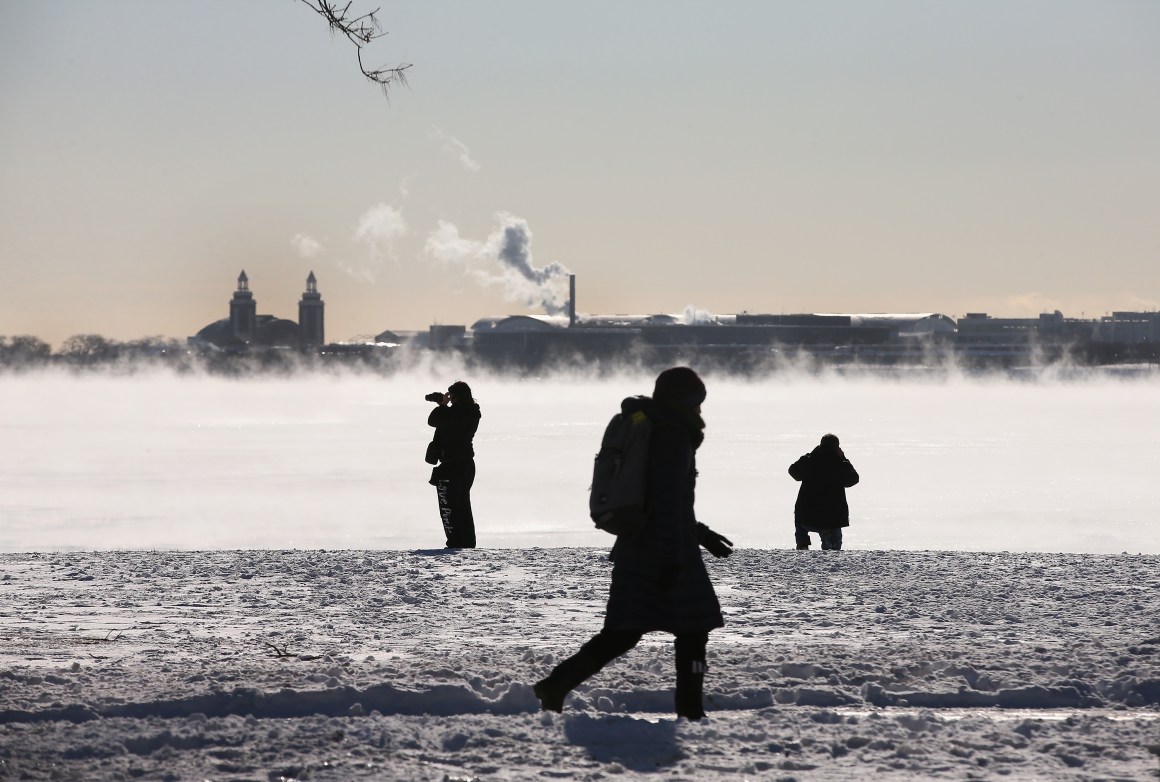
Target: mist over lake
[(336, 462)]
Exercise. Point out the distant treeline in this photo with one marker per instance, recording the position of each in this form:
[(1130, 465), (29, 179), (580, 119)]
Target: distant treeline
[(83, 352)]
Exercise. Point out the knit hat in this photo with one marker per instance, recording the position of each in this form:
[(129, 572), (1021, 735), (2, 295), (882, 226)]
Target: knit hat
[(679, 386)]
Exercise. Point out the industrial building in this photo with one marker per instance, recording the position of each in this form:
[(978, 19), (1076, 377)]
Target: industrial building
[(751, 339), (740, 341)]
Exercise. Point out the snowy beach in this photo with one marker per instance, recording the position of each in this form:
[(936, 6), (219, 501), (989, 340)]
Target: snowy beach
[(417, 665), (210, 579)]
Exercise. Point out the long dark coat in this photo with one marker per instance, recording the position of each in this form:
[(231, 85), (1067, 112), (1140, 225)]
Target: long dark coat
[(825, 474), (668, 540)]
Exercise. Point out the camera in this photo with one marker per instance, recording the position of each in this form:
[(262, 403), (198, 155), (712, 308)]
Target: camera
[(434, 396)]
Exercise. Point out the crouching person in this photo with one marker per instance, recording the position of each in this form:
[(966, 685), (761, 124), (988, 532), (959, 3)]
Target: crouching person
[(825, 474), (659, 581)]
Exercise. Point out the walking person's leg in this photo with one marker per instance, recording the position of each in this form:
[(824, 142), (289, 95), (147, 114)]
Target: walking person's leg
[(801, 537), (602, 649), (691, 668)]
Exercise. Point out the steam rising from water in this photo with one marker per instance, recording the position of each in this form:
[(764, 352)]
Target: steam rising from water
[(336, 461)]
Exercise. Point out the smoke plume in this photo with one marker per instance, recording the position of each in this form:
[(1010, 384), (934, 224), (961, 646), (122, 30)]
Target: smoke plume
[(457, 148), (307, 246), (695, 317), (380, 227), (503, 260), (378, 230)]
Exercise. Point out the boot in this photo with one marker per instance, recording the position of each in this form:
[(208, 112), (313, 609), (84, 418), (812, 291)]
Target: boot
[(690, 684), (563, 679)]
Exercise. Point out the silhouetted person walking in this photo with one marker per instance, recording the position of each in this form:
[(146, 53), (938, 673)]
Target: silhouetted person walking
[(821, 506), (659, 581), (455, 419)]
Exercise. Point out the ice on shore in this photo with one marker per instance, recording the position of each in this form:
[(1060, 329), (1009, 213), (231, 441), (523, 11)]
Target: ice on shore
[(416, 665)]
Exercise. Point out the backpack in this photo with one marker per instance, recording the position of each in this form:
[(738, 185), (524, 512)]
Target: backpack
[(617, 500)]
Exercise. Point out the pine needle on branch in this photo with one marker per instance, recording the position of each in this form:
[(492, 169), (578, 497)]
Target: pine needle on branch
[(361, 30)]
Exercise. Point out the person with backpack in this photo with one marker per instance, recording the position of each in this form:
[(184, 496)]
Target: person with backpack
[(456, 419), (825, 474), (659, 581)]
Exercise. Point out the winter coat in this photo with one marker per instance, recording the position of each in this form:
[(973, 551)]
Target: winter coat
[(667, 547), (455, 426), (825, 474)]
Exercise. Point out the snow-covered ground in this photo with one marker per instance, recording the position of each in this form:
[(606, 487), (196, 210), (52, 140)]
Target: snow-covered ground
[(213, 579), (417, 665)]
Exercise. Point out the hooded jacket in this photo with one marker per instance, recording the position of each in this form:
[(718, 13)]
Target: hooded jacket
[(825, 474)]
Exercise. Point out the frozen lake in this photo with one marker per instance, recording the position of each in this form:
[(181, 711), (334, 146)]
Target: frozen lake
[(336, 462)]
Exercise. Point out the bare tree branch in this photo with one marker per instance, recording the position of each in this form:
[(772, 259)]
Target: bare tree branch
[(277, 652), (359, 30)]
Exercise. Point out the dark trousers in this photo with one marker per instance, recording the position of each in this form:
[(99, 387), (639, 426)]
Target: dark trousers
[(607, 645), (453, 482), (689, 650), (831, 538)]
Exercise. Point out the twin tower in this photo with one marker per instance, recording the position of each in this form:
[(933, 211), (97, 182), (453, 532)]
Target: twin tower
[(244, 314)]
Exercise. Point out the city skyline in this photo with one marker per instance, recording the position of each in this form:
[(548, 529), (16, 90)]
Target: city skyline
[(764, 157), (311, 301)]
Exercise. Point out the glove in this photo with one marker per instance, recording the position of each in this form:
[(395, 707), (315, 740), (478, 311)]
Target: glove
[(716, 544), (670, 572)]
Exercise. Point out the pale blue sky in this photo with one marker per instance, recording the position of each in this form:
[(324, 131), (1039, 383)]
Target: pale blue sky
[(765, 156)]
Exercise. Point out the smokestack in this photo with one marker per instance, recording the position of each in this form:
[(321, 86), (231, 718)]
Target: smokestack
[(571, 300)]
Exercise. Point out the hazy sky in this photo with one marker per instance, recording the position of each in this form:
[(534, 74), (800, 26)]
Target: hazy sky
[(903, 155)]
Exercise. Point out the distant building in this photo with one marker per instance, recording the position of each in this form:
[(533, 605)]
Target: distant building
[(447, 337), (659, 338), (243, 312), (388, 338), (310, 315), (1129, 328), (905, 325), (245, 328), (978, 328)]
